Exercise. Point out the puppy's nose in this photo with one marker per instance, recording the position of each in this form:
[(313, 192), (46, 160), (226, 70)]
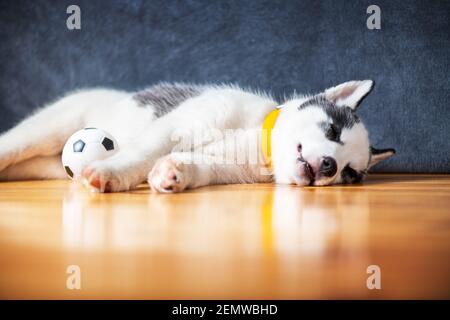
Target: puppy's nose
[(328, 167)]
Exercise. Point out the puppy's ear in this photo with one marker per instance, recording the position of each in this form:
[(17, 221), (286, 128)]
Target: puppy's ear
[(349, 93), (377, 155)]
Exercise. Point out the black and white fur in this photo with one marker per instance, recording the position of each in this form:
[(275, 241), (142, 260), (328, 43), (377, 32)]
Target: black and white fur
[(317, 140)]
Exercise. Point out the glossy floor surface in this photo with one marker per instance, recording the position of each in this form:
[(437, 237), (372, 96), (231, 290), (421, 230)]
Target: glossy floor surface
[(246, 241)]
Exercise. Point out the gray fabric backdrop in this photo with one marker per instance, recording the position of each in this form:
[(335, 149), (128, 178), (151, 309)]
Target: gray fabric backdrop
[(279, 46)]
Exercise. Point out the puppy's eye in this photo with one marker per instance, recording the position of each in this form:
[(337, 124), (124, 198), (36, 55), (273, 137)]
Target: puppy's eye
[(299, 147), (332, 133)]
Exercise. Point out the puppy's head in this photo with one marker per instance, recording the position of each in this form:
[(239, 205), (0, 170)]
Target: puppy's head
[(319, 140)]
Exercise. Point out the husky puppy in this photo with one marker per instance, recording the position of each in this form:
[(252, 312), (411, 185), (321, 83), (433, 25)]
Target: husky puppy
[(313, 140)]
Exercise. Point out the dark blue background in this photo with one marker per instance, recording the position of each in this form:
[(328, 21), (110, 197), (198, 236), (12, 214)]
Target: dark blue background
[(279, 46)]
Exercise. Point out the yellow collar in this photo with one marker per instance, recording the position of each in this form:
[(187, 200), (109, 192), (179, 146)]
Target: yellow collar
[(268, 124)]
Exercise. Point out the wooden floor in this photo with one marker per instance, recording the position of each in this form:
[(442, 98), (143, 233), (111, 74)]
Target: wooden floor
[(248, 241)]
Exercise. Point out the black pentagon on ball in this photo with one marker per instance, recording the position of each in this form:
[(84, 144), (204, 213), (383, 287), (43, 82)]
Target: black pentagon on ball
[(78, 146), (108, 144), (68, 171)]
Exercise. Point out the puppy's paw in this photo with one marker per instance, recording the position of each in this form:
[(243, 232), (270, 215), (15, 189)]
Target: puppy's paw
[(100, 177), (5, 161), (169, 175)]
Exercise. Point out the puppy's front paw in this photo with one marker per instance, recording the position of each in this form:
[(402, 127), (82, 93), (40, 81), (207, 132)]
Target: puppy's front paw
[(5, 160), (169, 175), (102, 178)]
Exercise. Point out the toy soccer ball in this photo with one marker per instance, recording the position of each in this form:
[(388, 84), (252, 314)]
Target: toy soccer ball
[(84, 147)]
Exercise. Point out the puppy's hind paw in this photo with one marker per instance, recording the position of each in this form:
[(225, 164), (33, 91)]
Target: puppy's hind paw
[(169, 176)]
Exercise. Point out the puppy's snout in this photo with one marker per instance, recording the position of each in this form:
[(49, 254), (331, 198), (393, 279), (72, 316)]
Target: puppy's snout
[(328, 167)]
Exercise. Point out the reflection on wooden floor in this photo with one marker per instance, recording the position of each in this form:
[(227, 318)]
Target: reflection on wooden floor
[(247, 241)]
